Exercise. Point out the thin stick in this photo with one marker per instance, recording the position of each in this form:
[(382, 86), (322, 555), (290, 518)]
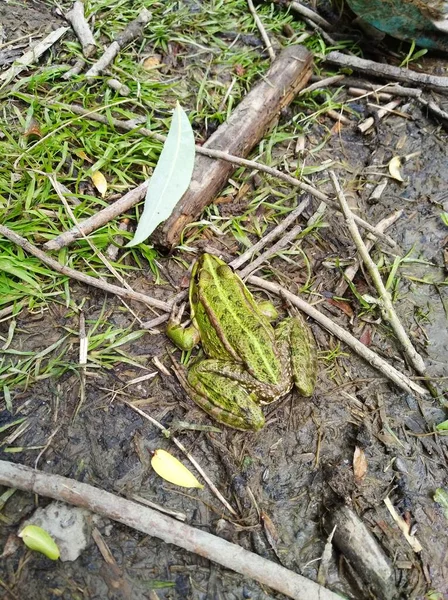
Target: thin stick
[(99, 219), (132, 31), (77, 20), (376, 361), (181, 447), (385, 110), (322, 83), (306, 12), (98, 283), (270, 252), (388, 309), (262, 30), (351, 271), (104, 216), (169, 530), (32, 55), (274, 233), (390, 72)]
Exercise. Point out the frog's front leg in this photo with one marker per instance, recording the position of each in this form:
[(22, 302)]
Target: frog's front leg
[(295, 337), (223, 398), (185, 338)]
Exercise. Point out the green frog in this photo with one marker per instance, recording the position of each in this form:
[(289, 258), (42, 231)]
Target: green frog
[(249, 361)]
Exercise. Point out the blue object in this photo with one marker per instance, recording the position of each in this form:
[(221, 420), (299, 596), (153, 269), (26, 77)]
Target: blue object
[(424, 22)]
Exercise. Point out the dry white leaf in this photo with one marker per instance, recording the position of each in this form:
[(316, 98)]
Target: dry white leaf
[(394, 168)]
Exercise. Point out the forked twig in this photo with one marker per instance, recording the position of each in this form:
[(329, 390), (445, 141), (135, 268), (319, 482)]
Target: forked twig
[(387, 308)]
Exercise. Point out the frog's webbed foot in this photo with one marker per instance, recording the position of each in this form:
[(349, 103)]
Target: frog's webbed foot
[(184, 337)]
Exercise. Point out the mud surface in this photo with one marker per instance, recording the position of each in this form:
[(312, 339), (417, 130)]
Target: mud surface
[(299, 467)]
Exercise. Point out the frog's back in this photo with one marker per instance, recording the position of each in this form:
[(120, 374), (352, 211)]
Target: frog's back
[(234, 327)]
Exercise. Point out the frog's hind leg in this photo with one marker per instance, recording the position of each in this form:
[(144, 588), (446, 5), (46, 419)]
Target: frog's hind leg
[(295, 337), (222, 398)]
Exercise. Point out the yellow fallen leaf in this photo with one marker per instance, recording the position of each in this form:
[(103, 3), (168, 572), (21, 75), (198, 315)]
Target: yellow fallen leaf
[(169, 468), (359, 464), (152, 62), (83, 155), (394, 168), (36, 538), (99, 181)]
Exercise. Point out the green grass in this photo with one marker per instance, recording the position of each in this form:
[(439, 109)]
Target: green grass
[(207, 60)]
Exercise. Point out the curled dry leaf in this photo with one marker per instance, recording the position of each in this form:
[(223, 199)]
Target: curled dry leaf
[(99, 181), (171, 469), (359, 464), (36, 538), (394, 168)]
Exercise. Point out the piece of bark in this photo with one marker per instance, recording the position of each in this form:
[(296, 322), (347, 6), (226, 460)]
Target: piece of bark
[(390, 72), (362, 551), (247, 125)]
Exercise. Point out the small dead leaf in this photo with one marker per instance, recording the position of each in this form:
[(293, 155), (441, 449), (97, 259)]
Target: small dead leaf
[(83, 155), (359, 464), (337, 128), (394, 168), (366, 336), (270, 531), (240, 70), (171, 469), (344, 306), (99, 181), (33, 130), (152, 62)]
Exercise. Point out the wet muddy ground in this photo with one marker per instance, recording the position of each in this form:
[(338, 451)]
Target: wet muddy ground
[(299, 468)]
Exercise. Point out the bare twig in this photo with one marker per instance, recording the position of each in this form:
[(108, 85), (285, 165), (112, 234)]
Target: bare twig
[(100, 218), (132, 32), (376, 361), (80, 26), (322, 83), (152, 523), (181, 447), (306, 12), (351, 271), (98, 283), (116, 209), (32, 55), (270, 252), (390, 72), (381, 113), (388, 309), (262, 30), (274, 233)]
